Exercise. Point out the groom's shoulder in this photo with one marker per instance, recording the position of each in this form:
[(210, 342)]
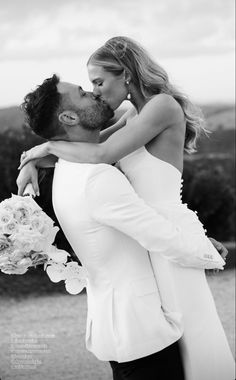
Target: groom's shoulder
[(105, 184), (106, 179), (100, 172)]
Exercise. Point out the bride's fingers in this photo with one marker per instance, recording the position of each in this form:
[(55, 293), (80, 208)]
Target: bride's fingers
[(24, 162), (23, 155)]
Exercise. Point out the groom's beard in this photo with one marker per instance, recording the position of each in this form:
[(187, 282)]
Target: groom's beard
[(96, 116)]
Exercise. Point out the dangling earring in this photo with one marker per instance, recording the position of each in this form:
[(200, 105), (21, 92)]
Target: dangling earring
[(129, 94)]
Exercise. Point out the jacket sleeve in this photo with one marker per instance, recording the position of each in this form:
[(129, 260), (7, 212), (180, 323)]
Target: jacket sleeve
[(113, 202)]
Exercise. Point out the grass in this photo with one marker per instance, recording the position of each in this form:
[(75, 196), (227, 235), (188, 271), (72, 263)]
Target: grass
[(33, 283), (59, 319)]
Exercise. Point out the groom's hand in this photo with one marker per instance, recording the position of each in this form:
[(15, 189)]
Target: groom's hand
[(28, 174), (223, 251)]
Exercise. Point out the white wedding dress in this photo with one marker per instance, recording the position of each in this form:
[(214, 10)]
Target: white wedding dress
[(207, 355)]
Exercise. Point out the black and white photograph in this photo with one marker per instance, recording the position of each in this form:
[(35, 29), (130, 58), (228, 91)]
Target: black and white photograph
[(117, 190)]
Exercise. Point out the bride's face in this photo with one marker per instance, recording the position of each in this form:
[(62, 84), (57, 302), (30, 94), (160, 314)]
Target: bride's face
[(110, 87)]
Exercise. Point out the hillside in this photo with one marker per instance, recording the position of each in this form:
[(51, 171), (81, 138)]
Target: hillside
[(11, 117), (218, 117)]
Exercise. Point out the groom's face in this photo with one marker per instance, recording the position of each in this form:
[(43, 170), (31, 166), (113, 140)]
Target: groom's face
[(93, 111)]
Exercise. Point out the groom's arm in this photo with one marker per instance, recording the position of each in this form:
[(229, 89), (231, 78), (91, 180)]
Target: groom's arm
[(113, 202), (29, 173)]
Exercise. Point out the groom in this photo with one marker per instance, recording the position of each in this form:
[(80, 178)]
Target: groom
[(109, 227)]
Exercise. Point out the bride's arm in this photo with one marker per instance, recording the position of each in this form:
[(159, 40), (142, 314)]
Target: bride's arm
[(118, 125), (159, 113), (69, 150)]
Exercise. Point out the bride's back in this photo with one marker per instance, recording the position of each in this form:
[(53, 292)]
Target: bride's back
[(152, 178)]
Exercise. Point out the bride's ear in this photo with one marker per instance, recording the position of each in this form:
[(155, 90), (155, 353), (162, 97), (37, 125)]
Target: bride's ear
[(69, 118), (127, 77)]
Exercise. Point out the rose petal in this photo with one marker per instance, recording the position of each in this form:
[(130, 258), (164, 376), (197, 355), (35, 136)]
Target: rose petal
[(55, 273), (74, 286), (58, 255)]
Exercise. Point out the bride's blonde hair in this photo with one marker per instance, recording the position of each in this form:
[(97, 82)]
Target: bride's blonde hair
[(121, 54)]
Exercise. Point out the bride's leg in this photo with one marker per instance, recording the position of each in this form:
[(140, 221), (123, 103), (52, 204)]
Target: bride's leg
[(207, 353)]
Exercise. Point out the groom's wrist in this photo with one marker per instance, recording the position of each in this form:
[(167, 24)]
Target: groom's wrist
[(49, 147), (37, 163)]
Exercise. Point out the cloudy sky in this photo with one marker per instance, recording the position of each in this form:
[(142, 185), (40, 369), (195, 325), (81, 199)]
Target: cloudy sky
[(192, 39)]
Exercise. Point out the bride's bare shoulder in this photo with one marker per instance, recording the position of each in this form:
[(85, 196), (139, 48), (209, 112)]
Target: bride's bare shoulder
[(163, 100), (163, 104)]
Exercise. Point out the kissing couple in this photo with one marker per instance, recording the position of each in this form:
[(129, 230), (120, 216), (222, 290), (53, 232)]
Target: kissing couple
[(117, 197)]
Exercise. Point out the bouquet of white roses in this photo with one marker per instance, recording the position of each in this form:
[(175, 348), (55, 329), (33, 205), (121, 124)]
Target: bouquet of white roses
[(26, 237)]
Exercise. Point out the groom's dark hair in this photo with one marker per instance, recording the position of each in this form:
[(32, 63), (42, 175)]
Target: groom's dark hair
[(41, 108)]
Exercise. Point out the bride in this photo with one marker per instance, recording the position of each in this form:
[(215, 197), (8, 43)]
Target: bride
[(148, 143)]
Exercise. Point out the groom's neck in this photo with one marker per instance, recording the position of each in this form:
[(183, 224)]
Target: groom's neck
[(83, 135)]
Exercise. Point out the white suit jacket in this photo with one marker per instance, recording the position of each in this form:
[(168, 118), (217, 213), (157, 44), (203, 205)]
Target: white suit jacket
[(110, 229)]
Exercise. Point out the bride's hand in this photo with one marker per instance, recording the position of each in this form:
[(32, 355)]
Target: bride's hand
[(39, 151), (27, 175)]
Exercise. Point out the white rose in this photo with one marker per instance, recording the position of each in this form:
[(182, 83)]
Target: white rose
[(34, 205), (26, 202), (6, 217), (5, 243), (36, 213), (23, 245), (36, 223), (11, 269), (22, 205), (40, 245), (10, 228), (49, 231), (52, 234), (17, 255), (13, 200), (7, 205), (25, 239), (4, 260), (22, 214)]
